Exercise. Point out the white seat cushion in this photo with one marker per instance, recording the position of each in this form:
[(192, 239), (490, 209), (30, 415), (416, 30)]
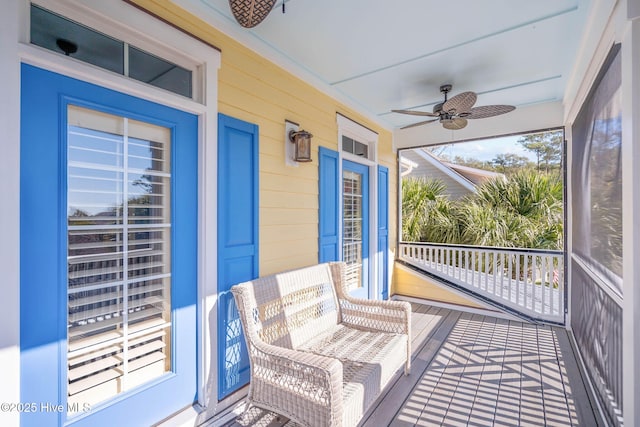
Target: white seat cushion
[(369, 359)]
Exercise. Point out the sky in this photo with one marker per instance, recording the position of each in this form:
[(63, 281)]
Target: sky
[(488, 149)]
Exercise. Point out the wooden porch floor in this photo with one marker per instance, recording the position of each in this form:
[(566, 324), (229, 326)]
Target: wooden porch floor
[(475, 370)]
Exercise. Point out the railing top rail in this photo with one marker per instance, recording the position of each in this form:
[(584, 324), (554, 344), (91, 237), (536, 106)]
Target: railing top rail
[(493, 248)]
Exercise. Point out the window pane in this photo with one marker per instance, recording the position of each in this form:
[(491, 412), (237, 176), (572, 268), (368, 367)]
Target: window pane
[(119, 263), (157, 72), (347, 144), (51, 31), (352, 228), (361, 149)]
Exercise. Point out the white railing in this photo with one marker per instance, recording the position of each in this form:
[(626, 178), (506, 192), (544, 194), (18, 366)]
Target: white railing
[(530, 281)]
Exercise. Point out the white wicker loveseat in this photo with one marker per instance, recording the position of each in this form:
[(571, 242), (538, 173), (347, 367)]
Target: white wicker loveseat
[(318, 356)]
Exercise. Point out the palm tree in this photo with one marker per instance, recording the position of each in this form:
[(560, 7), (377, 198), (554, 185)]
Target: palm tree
[(418, 197), (530, 207)]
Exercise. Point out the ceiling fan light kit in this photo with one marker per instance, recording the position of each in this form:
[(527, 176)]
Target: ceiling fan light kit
[(453, 113)]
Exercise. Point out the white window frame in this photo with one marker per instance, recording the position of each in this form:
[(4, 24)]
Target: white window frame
[(364, 135), (138, 28)]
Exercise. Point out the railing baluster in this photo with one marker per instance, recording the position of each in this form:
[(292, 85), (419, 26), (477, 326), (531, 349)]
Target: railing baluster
[(509, 276), (543, 283), (499, 273), (474, 268), (518, 280), (468, 269), (494, 271), (526, 281), (446, 261), (503, 275), (550, 291)]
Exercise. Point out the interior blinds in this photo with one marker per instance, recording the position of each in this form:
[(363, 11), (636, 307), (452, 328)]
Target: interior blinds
[(119, 246), (352, 228)]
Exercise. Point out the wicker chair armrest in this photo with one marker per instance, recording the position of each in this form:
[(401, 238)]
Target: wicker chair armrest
[(306, 383), (385, 316)]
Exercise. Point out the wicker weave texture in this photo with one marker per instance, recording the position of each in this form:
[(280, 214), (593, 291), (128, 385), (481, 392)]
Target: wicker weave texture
[(318, 356)]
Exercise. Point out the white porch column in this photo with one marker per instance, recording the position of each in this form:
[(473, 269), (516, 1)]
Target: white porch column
[(631, 214), (10, 210)]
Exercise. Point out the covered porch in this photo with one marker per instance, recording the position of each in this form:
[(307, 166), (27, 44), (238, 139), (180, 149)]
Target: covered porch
[(572, 359), (473, 369)]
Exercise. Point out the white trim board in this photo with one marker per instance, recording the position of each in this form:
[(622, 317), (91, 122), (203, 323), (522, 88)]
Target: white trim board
[(487, 309), (456, 307)]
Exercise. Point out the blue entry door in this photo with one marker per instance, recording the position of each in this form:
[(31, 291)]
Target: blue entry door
[(355, 227), (108, 202)]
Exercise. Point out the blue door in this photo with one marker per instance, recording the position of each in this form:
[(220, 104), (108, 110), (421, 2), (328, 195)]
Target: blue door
[(108, 202), (355, 227), (237, 242)]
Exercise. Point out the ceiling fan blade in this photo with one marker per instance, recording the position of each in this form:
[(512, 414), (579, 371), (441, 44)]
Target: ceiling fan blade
[(461, 103), (455, 124), (485, 111), (416, 113), (419, 123)]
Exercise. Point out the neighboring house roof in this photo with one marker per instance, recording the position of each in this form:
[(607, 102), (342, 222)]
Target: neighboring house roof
[(475, 175), (419, 162)]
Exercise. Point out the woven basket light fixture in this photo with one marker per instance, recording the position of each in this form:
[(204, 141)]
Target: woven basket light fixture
[(250, 13)]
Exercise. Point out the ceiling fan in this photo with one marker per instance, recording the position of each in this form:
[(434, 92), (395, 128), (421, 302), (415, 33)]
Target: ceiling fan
[(453, 113)]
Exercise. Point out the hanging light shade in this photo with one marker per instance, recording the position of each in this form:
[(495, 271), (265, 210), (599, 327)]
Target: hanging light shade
[(250, 13)]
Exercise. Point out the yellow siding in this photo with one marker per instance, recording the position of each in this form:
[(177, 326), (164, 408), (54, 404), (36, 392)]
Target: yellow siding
[(410, 284), (252, 88)]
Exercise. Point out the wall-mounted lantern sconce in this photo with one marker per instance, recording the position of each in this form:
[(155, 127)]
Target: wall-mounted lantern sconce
[(297, 144), (302, 141)]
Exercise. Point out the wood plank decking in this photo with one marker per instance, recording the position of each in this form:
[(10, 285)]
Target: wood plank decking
[(475, 370)]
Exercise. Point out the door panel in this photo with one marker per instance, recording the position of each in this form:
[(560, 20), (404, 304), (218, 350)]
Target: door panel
[(108, 254)]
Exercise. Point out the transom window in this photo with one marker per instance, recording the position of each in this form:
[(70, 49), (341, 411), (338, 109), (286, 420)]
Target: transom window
[(357, 142), (350, 145), (59, 34)]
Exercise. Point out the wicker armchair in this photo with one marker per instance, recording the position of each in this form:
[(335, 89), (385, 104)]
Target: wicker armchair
[(318, 356)]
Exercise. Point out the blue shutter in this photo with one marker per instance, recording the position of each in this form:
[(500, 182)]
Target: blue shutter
[(237, 242), (383, 231), (329, 197)]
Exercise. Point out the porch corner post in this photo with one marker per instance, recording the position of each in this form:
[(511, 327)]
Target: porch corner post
[(10, 32), (630, 222)]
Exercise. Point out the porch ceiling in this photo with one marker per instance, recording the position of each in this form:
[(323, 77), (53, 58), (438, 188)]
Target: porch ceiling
[(380, 55)]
